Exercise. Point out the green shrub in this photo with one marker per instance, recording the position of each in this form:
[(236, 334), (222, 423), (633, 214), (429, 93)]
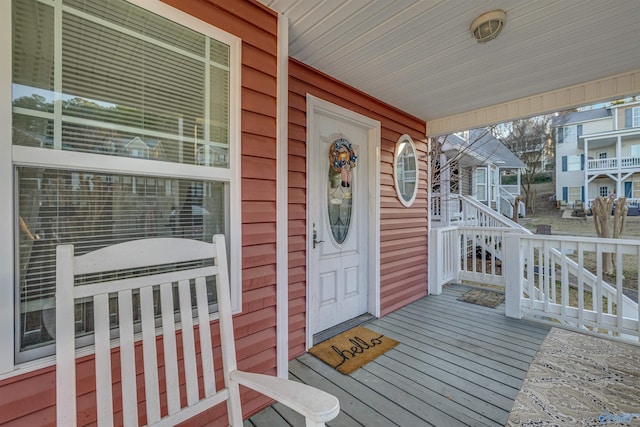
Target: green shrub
[(542, 177)]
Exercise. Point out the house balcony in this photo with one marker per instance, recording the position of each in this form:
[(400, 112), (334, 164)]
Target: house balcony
[(611, 165)]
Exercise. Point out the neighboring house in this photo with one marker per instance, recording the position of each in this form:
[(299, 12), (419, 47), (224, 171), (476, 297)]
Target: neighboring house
[(536, 153), (144, 148), (598, 154), (477, 164)]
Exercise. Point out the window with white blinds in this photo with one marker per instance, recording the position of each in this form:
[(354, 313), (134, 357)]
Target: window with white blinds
[(108, 78), (129, 83)]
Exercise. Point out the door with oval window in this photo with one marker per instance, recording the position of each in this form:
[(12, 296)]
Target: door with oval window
[(338, 218)]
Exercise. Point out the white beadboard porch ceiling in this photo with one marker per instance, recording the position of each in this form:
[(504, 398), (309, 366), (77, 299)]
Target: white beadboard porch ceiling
[(419, 56)]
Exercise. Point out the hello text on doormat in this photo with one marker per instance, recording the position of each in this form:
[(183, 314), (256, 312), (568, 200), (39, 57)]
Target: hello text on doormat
[(352, 349)]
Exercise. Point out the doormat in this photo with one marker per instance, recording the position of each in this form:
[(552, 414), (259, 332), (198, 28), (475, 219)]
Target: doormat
[(352, 349), (483, 297)]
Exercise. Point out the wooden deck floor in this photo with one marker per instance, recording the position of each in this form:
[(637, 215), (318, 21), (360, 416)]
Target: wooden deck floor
[(456, 364)]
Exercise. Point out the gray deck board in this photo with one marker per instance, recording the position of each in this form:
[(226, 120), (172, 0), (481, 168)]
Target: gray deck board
[(446, 364), (456, 364), (455, 351), (479, 334)]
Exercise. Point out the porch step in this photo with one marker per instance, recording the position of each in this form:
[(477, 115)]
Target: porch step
[(342, 327)]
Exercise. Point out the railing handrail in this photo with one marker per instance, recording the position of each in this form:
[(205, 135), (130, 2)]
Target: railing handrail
[(499, 218), (504, 188)]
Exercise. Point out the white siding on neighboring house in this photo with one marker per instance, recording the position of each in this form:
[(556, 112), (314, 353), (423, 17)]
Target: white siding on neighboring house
[(598, 153), (570, 159)]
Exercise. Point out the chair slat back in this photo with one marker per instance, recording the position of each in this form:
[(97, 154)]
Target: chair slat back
[(140, 322)]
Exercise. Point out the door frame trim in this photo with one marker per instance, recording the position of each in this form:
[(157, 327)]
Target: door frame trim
[(315, 106)]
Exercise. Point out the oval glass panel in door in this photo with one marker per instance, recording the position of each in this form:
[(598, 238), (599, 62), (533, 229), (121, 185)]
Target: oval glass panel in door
[(341, 181)]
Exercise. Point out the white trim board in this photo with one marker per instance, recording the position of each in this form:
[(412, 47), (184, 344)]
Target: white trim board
[(282, 202), (587, 93)]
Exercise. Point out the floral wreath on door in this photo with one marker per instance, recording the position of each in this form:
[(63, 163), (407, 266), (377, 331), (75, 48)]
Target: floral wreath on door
[(342, 158)]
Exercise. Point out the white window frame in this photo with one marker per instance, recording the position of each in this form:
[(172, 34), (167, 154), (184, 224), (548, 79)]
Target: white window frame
[(493, 176), (635, 117), (12, 156), (484, 184), (603, 191), (634, 150), (570, 133), (602, 155), (399, 172), (635, 188), (572, 161), (572, 191)]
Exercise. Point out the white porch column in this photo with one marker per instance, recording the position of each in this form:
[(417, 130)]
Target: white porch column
[(282, 202), (436, 272), (513, 275), (445, 191), (619, 189), (585, 198)]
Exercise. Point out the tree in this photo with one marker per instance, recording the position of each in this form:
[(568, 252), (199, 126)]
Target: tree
[(438, 166), (605, 227), (532, 141)]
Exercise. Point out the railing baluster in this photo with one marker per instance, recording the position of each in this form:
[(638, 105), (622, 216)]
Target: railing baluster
[(619, 294), (530, 275), (595, 291), (564, 279), (483, 260), (548, 293), (580, 284), (638, 298)]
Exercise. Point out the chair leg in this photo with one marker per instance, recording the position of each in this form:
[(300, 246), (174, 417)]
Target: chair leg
[(234, 408)]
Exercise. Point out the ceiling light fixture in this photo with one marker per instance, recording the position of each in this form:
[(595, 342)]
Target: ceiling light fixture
[(488, 25)]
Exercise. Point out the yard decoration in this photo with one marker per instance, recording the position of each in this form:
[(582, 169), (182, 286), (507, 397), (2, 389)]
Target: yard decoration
[(601, 209)]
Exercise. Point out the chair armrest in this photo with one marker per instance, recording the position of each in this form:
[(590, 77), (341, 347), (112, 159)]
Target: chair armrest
[(312, 403)]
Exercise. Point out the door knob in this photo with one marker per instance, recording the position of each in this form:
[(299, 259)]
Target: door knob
[(315, 236)]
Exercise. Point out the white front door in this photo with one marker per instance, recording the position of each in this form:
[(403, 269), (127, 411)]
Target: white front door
[(339, 219)]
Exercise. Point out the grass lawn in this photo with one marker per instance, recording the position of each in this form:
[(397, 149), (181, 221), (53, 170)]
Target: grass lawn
[(547, 213)]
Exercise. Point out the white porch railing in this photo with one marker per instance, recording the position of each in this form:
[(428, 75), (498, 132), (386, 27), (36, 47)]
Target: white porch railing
[(630, 202), (445, 242), (446, 209), (544, 286), (612, 163), (451, 209), (557, 279), (512, 189), (506, 202), (630, 162), (477, 214), (459, 247), (436, 206)]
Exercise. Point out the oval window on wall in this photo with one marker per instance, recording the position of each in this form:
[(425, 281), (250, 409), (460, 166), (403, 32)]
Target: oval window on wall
[(405, 170)]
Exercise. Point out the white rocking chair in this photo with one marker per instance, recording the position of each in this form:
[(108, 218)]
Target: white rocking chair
[(156, 334)]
